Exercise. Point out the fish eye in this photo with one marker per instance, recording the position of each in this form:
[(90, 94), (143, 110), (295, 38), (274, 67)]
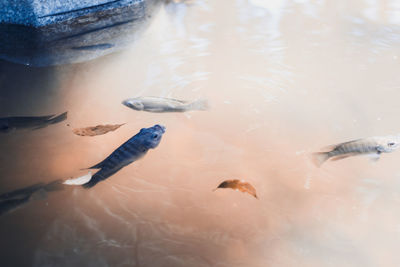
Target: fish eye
[(391, 144), (155, 136)]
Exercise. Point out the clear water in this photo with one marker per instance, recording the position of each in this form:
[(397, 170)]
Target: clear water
[(283, 78)]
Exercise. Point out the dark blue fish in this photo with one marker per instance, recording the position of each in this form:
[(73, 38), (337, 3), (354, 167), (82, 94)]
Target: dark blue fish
[(131, 150), (8, 124)]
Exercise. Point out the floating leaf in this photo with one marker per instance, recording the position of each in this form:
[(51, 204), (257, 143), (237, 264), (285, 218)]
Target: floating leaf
[(96, 130), (238, 185)]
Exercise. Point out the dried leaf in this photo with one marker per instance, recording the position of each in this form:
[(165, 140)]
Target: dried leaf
[(96, 130), (238, 185)]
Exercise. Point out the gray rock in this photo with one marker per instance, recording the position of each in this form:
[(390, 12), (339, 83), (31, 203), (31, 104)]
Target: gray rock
[(44, 12), (77, 39)]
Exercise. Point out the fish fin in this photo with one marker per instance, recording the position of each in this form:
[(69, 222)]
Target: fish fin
[(51, 120), (97, 166), (59, 118), (380, 149), (91, 183), (319, 158), (180, 101), (201, 104), (80, 180), (343, 156), (374, 157), (46, 117), (101, 175)]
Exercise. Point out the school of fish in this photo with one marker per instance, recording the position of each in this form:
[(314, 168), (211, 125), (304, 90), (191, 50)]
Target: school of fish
[(149, 138)]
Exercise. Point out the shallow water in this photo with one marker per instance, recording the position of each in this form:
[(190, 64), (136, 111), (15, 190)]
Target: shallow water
[(283, 78)]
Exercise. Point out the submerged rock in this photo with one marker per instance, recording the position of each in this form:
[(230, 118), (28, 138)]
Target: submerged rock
[(57, 35), (44, 12)]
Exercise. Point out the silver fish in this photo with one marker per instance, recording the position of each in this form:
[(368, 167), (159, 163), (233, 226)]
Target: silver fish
[(374, 146), (161, 104)]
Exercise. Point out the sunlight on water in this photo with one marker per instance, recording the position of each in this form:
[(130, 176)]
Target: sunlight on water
[(282, 78)]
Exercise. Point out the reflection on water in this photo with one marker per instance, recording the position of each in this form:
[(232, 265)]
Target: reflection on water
[(283, 78)]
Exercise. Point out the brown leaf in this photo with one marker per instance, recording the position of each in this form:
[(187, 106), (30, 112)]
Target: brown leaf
[(239, 185), (96, 130)]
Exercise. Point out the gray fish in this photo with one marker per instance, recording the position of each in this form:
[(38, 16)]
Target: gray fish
[(130, 151), (368, 146), (8, 124), (161, 104)]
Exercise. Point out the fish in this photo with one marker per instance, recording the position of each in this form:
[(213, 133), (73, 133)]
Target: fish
[(161, 104), (240, 185), (133, 149), (14, 200), (373, 146), (8, 124), (96, 130)]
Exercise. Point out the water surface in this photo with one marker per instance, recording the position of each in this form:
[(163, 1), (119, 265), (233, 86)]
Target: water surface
[(283, 79)]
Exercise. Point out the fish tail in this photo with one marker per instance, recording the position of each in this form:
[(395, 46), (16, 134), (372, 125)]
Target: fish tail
[(90, 184), (101, 175), (59, 118), (80, 180), (97, 177), (201, 104), (97, 166), (320, 157)]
